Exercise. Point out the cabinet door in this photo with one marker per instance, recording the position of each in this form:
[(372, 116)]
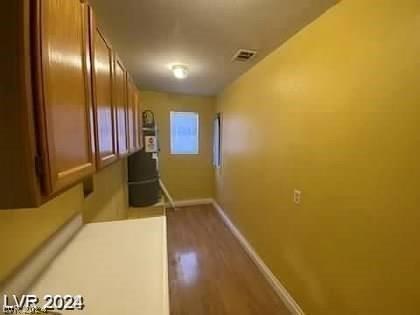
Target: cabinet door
[(140, 120), (63, 93), (105, 123), (133, 116), (120, 98)]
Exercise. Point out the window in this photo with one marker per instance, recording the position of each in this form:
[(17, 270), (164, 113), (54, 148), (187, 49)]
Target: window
[(184, 133), (217, 141)]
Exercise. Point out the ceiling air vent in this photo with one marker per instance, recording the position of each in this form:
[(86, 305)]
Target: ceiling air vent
[(244, 55)]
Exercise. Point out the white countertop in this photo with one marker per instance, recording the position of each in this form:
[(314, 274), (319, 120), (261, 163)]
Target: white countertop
[(118, 267)]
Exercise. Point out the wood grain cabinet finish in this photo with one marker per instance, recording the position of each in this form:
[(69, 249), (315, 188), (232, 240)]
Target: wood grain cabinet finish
[(140, 121), (45, 116), (102, 86), (68, 106), (63, 90), (134, 129), (19, 183), (121, 106)]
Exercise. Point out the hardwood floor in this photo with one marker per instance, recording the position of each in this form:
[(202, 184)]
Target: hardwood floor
[(210, 273)]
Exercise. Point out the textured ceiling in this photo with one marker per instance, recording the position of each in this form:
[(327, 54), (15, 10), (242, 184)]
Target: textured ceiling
[(150, 35)]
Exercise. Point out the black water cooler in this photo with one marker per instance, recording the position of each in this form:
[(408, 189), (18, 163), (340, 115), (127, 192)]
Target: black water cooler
[(143, 169)]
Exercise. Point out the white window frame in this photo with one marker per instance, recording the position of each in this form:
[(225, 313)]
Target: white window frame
[(217, 141), (172, 149)]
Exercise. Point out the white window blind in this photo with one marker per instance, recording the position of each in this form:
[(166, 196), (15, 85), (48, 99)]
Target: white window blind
[(184, 133)]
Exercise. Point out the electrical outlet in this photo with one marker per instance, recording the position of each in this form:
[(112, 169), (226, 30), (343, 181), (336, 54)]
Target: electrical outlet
[(297, 196)]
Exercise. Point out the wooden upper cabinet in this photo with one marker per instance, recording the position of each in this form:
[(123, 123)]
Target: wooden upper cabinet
[(102, 87), (69, 107), (133, 116), (140, 120), (121, 106), (63, 94)]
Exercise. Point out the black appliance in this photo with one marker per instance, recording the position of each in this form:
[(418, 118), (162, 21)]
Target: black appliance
[(143, 170)]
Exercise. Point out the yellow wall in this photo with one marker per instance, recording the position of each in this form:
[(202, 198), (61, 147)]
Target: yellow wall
[(22, 231), (110, 198), (335, 113), (186, 176)]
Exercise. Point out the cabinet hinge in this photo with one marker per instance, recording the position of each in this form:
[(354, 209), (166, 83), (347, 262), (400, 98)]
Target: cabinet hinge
[(38, 166)]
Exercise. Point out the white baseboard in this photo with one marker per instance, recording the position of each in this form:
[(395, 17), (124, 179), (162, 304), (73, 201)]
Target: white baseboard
[(271, 278), (191, 202)]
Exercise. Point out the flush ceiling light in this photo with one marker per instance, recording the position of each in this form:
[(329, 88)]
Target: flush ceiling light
[(180, 71)]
